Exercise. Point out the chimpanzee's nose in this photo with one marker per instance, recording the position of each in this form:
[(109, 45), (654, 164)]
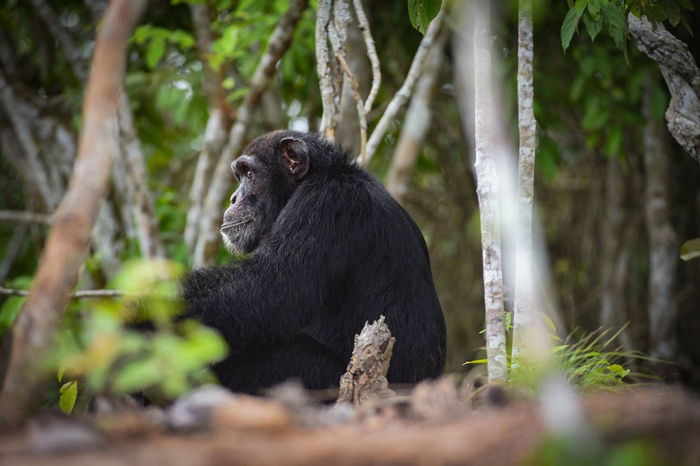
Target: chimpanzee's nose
[(233, 198)]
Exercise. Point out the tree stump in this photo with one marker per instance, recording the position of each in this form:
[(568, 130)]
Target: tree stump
[(365, 379)]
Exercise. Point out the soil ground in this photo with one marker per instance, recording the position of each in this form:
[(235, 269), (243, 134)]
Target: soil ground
[(668, 422)]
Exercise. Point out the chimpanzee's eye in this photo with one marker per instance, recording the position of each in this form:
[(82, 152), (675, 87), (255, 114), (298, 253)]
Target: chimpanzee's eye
[(249, 175)]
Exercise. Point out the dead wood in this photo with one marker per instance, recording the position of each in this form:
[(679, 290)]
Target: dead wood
[(365, 380)]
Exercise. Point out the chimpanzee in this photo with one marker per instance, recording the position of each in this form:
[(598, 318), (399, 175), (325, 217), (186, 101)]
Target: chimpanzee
[(329, 249)]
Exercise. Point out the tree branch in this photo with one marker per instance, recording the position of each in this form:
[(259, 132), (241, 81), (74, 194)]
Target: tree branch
[(23, 217), (416, 125), (208, 238), (402, 96), (75, 295), (682, 77), (35, 327), (371, 53)]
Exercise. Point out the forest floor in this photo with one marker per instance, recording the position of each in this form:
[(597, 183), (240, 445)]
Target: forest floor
[(664, 424)]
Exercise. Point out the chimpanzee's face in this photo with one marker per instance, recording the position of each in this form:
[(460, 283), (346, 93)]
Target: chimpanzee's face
[(268, 173)]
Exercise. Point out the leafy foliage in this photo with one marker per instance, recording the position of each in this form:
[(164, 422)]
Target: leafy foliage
[(588, 361), (113, 358), (613, 15)]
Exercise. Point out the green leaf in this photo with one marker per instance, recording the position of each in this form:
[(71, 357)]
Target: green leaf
[(616, 24), (691, 249), (618, 370), (228, 83), (432, 8), (569, 27), (417, 16), (476, 361), (593, 25), (69, 393), (154, 52), (61, 371), (580, 5), (548, 320), (138, 375), (594, 8)]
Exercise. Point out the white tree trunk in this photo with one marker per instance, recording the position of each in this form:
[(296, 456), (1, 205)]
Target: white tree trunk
[(663, 243), (487, 191), (522, 312)]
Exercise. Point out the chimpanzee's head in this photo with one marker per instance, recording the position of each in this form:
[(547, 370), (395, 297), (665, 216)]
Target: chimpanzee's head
[(268, 173)]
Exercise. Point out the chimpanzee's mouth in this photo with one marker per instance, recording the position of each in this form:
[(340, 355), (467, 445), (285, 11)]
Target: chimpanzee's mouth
[(229, 225)]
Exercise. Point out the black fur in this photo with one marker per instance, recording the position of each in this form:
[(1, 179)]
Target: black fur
[(340, 252)]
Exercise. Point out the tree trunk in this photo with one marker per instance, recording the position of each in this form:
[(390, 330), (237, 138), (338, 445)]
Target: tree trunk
[(615, 253), (527, 126), (663, 243), (488, 192), (35, 327)]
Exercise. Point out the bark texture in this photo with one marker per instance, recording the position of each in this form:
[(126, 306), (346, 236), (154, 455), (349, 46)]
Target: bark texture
[(329, 92), (488, 192), (63, 256), (682, 77), (663, 242), (365, 379), (527, 126), (208, 238)]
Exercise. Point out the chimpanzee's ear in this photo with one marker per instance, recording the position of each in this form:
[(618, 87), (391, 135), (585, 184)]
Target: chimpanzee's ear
[(296, 154)]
